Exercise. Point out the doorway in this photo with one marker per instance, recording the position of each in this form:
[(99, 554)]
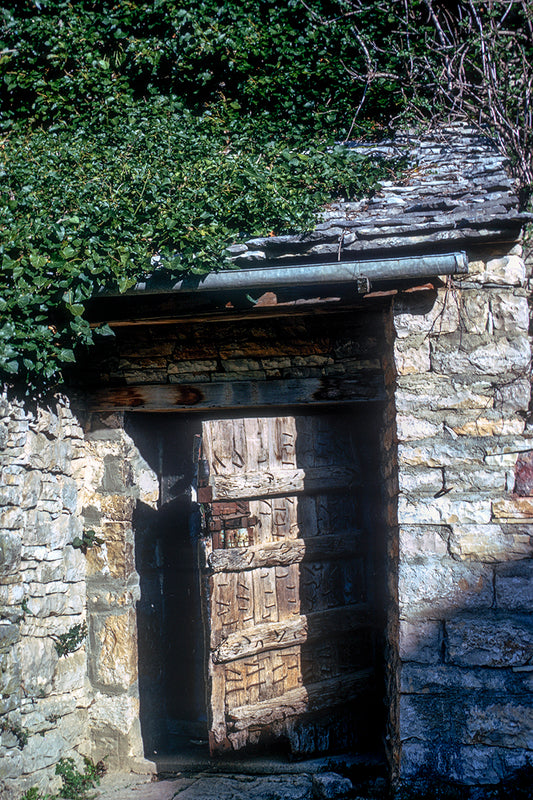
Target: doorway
[(293, 646)]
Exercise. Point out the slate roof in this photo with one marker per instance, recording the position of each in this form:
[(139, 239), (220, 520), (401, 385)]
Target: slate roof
[(456, 192)]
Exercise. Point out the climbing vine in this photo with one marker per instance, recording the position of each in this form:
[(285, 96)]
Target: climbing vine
[(136, 133)]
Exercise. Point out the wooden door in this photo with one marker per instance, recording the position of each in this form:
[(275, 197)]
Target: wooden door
[(285, 580)]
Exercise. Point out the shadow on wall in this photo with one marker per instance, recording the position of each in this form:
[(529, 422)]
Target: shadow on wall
[(466, 707)]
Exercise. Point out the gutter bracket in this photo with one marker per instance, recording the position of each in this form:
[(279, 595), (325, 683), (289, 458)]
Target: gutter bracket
[(362, 284)]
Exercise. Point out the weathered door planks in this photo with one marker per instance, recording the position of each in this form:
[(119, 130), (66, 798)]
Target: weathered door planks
[(285, 594)]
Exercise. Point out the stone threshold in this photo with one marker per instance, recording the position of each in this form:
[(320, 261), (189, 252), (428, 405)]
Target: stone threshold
[(169, 766)]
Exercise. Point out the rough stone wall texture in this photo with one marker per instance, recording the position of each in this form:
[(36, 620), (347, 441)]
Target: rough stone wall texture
[(43, 696), (192, 353), (457, 467), (466, 540), (112, 479)]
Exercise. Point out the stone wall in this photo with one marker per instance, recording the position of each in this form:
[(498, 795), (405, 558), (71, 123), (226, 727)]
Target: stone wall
[(465, 561), (113, 479), (253, 350), (43, 697), (457, 476)]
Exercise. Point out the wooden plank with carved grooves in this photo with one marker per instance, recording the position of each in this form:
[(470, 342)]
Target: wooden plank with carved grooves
[(323, 694), (284, 552), (282, 482), (289, 632)]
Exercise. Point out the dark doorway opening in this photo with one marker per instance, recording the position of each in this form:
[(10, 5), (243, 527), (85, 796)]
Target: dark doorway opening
[(170, 634), (172, 682)]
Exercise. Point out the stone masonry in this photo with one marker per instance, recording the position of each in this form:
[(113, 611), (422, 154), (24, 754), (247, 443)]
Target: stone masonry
[(43, 695), (112, 479), (465, 537)]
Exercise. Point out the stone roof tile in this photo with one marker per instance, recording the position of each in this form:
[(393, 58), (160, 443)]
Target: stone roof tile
[(456, 189)]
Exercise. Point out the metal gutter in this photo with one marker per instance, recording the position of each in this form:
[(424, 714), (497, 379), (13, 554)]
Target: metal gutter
[(360, 273)]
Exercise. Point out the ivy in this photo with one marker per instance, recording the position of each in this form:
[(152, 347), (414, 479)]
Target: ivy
[(87, 540), (142, 133), (70, 641)]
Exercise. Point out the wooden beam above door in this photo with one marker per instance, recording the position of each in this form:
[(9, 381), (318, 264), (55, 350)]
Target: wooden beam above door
[(368, 386)]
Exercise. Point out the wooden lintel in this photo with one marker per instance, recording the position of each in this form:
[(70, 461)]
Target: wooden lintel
[(285, 552), (367, 386), (323, 694), (289, 632)]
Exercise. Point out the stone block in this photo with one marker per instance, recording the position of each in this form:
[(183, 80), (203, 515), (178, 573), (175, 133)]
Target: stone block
[(489, 543), (474, 309), (31, 489), (10, 552), (188, 378), (423, 717), (38, 660), (441, 392), (139, 376), (73, 565), (420, 641), (330, 785), (104, 598), (43, 751), (69, 494), (115, 656), (53, 531), (509, 270), (498, 269), (523, 478), (485, 425), (420, 480), (412, 355), (512, 396), (479, 479), (69, 602), (449, 509), (519, 508), (490, 640), (448, 680), (4, 435), (70, 673), (145, 480), (415, 760), (11, 594), (45, 712), (429, 762), (118, 712), (510, 313), (514, 586), (9, 677), (115, 556), (484, 355), (438, 313), (9, 634), (116, 478), (11, 518), (504, 723), (436, 586), (409, 427), (199, 365), (117, 508), (11, 768), (443, 452), (51, 455), (474, 765), (421, 540)]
